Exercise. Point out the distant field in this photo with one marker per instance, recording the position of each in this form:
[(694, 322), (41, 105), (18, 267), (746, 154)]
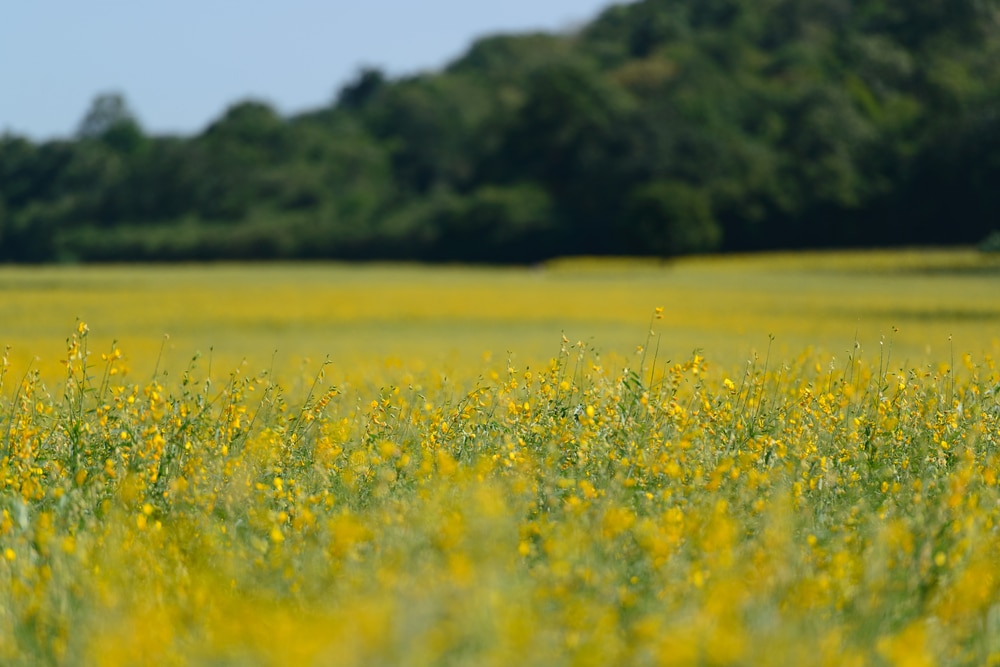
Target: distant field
[(430, 500), (364, 316)]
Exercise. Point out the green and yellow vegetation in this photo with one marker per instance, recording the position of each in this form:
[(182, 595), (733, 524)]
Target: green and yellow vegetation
[(573, 501)]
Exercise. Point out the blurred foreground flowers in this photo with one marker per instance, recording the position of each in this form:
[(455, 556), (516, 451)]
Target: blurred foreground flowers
[(566, 515)]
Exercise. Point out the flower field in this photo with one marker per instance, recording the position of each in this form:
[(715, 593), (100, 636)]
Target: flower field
[(598, 505)]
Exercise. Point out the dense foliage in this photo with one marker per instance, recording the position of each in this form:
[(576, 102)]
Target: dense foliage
[(662, 127)]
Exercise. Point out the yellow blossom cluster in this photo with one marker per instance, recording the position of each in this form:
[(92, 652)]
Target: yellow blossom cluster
[(574, 513)]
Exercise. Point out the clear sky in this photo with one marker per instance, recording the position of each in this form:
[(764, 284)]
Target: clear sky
[(181, 63)]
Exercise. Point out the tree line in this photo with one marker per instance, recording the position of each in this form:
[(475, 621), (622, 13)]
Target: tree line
[(662, 127)]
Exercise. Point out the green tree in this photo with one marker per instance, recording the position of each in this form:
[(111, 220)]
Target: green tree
[(494, 223), (669, 218), (574, 136), (357, 93), (106, 112), (110, 120), (427, 124)]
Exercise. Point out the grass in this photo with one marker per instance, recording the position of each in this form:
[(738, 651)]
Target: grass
[(572, 503)]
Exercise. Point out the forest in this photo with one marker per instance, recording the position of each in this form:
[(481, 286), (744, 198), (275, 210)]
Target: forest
[(660, 128)]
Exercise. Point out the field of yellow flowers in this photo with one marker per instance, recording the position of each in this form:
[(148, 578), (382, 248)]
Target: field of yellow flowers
[(601, 505)]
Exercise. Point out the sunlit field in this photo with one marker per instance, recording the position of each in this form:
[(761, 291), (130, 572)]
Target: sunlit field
[(276, 316), (772, 460)]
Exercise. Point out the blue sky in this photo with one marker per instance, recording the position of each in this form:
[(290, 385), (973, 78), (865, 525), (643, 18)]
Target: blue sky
[(181, 63)]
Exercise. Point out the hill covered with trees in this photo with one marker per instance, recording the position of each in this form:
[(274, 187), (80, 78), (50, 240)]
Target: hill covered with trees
[(662, 127)]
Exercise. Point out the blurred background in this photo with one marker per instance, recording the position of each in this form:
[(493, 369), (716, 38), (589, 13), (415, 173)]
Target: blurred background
[(514, 133)]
